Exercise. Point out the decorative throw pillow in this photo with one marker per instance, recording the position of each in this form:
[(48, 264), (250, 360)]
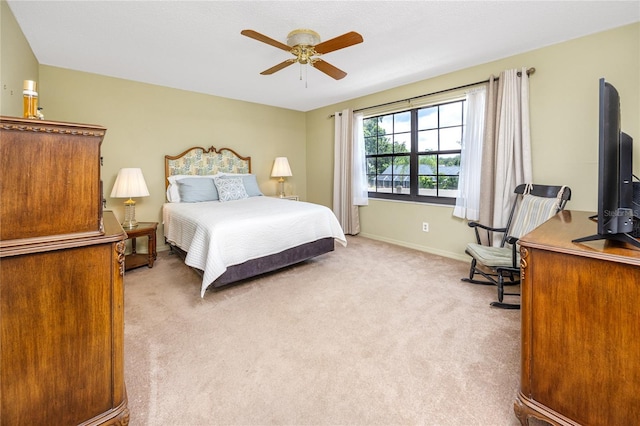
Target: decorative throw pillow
[(249, 181), (193, 190), (230, 189)]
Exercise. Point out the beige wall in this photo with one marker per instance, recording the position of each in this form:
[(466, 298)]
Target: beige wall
[(17, 63), (564, 120), (146, 122)]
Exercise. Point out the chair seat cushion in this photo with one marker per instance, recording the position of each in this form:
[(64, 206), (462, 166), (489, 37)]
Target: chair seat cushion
[(492, 256)]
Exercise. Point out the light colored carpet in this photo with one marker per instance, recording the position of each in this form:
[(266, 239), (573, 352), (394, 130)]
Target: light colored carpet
[(371, 334)]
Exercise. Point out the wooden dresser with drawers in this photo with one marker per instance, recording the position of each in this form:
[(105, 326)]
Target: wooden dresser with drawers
[(61, 279)]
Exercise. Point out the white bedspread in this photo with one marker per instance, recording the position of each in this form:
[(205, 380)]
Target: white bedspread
[(216, 235)]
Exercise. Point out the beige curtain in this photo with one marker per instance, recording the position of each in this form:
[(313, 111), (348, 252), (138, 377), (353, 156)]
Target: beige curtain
[(343, 207), (506, 155)]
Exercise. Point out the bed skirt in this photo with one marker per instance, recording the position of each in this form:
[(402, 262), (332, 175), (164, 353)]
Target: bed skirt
[(262, 265)]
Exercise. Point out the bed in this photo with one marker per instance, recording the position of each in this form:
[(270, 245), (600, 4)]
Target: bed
[(219, 220)]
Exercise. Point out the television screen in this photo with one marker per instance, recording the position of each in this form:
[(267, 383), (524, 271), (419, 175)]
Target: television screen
[(615, 172)]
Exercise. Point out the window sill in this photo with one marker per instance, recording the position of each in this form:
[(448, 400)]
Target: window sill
[(415, 200), (418, 203)]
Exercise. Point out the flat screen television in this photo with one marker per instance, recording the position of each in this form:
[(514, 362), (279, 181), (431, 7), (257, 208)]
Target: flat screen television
[(615, 173)]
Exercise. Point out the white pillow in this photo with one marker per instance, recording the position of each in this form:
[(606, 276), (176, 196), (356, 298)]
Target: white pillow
[(230, 189), (173, 194)]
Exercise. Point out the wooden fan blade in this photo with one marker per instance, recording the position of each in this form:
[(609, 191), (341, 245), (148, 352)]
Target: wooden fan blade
[(263, 38), (340, 42), (278, 67), (329, 69)]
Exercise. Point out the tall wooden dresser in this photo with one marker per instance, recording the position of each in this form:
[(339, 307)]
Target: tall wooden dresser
[(61, 279), (580, 360)]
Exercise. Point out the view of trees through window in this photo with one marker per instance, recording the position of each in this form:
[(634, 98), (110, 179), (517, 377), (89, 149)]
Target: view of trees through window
[(415, 154)]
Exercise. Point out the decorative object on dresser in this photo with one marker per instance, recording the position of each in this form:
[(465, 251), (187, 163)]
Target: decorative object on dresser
[(135, 259), (30, 99), (215, 201), (62, 266), (281, 170), (580, 326), (129, 183)]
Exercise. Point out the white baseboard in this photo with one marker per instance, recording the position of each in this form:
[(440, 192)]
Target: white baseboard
[(443, 253)]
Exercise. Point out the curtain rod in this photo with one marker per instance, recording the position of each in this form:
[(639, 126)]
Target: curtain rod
[(529, 72)]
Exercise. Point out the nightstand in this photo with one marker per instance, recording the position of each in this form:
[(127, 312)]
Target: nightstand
[(135, 260), (288, 197)]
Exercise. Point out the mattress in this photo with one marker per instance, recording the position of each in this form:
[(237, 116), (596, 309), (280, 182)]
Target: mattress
[(217, 234)]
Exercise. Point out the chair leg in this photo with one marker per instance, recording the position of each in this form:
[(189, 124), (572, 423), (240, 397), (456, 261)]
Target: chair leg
[(472, 270), (499, 303)]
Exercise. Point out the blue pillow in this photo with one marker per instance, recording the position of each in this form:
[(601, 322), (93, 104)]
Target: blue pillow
[(250, 183), (195, 190)]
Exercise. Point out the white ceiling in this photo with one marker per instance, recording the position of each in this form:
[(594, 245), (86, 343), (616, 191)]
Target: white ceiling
[(197, 46)]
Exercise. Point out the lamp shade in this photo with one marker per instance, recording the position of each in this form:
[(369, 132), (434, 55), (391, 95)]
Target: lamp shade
[(129, 183), (281, 167)]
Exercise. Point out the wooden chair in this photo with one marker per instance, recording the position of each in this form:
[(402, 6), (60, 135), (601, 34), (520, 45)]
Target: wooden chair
[(534, 205)]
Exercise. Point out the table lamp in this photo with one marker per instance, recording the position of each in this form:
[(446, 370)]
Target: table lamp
[(129, 183), (281, 170)]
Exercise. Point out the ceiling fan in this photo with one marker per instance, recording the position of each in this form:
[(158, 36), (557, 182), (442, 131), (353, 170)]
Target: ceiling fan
[(305, 45)]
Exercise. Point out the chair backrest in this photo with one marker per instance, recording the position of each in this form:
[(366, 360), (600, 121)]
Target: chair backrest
[(534, 205)]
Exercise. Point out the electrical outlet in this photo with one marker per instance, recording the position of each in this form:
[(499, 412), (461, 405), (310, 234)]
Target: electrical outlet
[(425, 226)]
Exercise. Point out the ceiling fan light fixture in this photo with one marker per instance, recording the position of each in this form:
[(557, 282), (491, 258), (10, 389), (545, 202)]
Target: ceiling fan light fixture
[(303, 37), (305, 46)]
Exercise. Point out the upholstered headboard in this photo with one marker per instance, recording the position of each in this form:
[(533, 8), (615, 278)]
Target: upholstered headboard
[(202, 162)]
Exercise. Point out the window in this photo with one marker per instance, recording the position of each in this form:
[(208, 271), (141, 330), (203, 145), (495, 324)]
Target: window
[(414, 155)]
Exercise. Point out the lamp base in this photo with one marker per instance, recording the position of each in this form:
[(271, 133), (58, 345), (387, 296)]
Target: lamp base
[(281, 194), (129, 225), (129, 215)]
